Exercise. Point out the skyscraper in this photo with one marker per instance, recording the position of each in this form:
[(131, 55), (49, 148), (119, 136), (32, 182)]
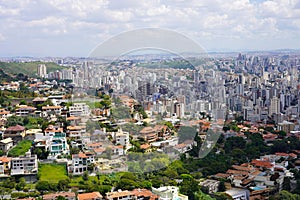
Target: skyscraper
[(42, 70), (274, 106)]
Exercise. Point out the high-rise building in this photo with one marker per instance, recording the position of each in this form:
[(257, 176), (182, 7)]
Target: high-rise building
[(274, 106), (42, 70)]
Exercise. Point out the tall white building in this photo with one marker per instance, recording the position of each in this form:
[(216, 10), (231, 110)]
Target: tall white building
[(42, 70), (274, 106)]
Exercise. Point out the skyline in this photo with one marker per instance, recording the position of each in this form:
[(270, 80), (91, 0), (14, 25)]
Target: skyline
[(68, 28)]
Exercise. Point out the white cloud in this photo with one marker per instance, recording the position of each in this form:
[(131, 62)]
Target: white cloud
[(242, 22)]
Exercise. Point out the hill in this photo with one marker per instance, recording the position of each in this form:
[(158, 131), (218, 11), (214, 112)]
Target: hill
[(27, 68)]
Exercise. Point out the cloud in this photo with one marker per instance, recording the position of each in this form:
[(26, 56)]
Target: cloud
[(216, 24)]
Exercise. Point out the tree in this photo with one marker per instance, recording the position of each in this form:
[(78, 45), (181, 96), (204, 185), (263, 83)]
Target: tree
[(4, 191), (286, 185), (285, 195), (221, 187), (61, 198), (85, 176), (22, 102), (21, 184), (234, 142), (43, 186), (14, 120), (63, 185)]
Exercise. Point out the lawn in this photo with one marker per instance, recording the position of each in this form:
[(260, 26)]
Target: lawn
[(21, 148), (52, 172)]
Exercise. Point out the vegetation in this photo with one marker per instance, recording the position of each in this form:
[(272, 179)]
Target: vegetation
[(28, 68), (21, 148), (52, 173)]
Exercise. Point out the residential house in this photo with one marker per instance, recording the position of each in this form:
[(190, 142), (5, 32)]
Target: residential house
[(144, 194), (39, 100), (90, 196), (118, 150), (4, 113), (30, 134), (76, 131), (79, 109), (169, 193), (24, 110), (286, 126), (24, 165), (73, 120), (5, 165), (81, 162), (6, 145), (122, 138), (17, 133), (148, 134), (54, 196), (58, 139), (52, 110), (211, 185), (238, 194), (119, 195)]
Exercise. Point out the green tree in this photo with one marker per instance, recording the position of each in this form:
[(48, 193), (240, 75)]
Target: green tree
[(22, 102), (286, 185), (4, 191), (43, 186), (61, 198), (85, 176), (21, 184), (221, 187)]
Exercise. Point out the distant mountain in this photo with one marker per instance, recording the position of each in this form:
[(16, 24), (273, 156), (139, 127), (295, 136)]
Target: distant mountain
[(27, 68)]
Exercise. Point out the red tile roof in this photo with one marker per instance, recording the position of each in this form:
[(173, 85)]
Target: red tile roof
[(260, 163), (89, 196), (16, 128), (55, 195)]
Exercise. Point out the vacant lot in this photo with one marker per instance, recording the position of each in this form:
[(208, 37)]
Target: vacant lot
[(52, 172), (21, 148)]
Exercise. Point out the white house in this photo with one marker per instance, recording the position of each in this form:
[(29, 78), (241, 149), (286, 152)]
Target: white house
[(6, 145), (23, 165), (80, 162), (79, 109)]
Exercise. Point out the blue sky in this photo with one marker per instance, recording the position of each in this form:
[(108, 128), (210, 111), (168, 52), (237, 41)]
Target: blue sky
[(75, 27)]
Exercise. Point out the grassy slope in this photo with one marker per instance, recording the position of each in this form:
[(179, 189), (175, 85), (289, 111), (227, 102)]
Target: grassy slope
[(28, 68), (21, 148), (52, 172)]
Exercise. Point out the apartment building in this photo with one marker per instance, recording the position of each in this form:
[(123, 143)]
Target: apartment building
[(24, 165)]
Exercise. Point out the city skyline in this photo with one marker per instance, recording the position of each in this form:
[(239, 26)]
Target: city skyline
[(67, 28)]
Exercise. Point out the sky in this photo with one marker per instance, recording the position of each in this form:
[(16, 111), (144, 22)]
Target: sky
[(75, 27)]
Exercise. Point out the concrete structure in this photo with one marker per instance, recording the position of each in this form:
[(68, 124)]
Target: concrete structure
[(24, 165), (238, 194), (211, 185), (169, 193), (17, 133), (81, 162), (24, 110), (79, 109), (6, 145), (5, 165), (42, 70)]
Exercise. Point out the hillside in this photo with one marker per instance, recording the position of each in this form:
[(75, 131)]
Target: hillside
[(27, 68)]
